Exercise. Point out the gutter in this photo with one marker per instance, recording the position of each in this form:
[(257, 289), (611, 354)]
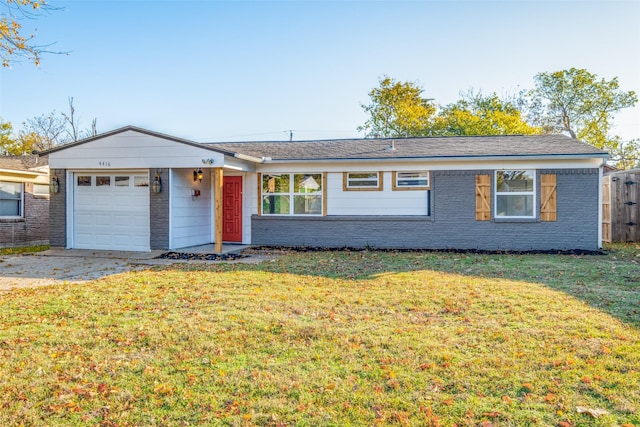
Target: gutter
[(604, 156), (251, 158)]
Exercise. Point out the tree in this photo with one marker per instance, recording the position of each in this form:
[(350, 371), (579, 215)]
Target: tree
[(575, 102), (14, 44), (397, 109), (626, 155), (6, 138), (47, 131), (477, 114)]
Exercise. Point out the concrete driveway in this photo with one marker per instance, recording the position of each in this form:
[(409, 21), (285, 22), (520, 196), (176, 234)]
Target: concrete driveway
[(75, 266), (79, 265)]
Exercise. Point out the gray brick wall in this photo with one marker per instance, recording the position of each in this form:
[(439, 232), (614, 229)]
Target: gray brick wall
[(58, 211), (159, 211), (33, 228), (452, 223)]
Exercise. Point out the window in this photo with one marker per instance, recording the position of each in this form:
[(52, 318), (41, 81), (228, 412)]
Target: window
[(11, 199), (515, 194), (84, 181), (103, 181), (417, 180), (140, 181), (292, 194), (122, 181), (362, 181)]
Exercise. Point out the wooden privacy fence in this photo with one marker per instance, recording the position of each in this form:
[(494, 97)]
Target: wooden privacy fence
[(621, 207)]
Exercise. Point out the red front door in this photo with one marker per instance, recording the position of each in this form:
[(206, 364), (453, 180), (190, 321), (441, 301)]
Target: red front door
[(232, 209)]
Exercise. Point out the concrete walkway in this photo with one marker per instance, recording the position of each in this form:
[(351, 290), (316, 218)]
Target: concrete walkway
[(80, 265)]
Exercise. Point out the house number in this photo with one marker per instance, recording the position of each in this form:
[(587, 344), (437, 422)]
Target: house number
[(104, 163)]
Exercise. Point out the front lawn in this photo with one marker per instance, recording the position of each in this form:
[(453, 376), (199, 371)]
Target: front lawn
[(332, 339)]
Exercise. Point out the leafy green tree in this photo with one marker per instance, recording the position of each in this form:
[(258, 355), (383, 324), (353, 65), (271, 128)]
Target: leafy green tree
[(626, 155), (397, 109), (477, 114), (6, 138), (576, 102)]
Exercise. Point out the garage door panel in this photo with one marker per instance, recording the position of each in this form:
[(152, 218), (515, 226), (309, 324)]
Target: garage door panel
[(114, 217)]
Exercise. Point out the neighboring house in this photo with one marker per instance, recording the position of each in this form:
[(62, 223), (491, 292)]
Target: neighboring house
[(134, 189), (24, 201)]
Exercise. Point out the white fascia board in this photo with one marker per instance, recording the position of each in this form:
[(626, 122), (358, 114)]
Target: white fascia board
[(554, 162)]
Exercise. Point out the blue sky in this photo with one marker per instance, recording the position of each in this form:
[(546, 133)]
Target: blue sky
[(241, 70)]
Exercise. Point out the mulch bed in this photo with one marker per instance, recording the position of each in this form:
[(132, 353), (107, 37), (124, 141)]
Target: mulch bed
[(200, 257), (285, 249)]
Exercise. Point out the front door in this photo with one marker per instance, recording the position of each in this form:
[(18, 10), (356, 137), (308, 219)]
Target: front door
[(232, 209)]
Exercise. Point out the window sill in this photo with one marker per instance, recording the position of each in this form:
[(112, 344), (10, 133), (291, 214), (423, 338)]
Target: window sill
[(9, 220), (507, 219)]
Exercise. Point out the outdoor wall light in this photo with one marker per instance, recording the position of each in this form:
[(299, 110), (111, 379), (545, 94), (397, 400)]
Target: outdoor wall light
[(156, 186), (55, 184), (198, 175)]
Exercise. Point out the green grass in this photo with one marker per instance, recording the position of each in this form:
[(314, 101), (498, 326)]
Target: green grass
[(332, 339), (23, 249)]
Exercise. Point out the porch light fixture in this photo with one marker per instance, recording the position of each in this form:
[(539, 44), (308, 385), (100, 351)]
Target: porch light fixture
[(197, 175), (156, 186), (55, 184)]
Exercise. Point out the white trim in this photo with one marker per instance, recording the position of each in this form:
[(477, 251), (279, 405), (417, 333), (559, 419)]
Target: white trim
[(21, 208), (600, 182), (70, 190), (169, 188), (532, 193)]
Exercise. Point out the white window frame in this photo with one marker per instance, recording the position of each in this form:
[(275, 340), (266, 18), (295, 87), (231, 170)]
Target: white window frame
[(292, 194), (21, 214), (531, 193), (348, 181), (396, 177)]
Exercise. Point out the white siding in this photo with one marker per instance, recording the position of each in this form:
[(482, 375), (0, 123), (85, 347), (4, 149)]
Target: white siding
[(132, 149), (386, 202), (191, 217), (249, 204)]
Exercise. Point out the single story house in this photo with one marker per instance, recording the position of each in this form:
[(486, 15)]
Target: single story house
[(24, 201), (135, 189)]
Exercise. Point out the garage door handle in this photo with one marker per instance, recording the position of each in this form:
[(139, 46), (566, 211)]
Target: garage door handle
[(630, 203)]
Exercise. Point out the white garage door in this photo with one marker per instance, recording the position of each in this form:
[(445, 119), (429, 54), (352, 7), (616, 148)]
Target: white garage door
[(111, 211)]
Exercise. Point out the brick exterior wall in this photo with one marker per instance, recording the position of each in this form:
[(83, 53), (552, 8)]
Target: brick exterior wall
[(58, 211), (33, 228), (159, 211), (452, 224)]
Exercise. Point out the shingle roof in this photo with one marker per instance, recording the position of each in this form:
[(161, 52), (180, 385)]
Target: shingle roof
[(22, 163), (431, 147)]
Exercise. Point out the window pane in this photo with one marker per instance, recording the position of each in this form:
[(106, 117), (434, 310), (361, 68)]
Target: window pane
[(363, 175), (122, 181), (514, 181), (363, 179), (408, 179), (41, 189), (102, 181), (275, 183), (309, 205), (10, 207), (11, 190), (307, 183), (515, 205), (276, 205), (363, 183), (84, 181), (141, 181)]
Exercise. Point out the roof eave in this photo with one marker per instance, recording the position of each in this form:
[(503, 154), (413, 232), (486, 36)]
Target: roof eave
[(447, 158)]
